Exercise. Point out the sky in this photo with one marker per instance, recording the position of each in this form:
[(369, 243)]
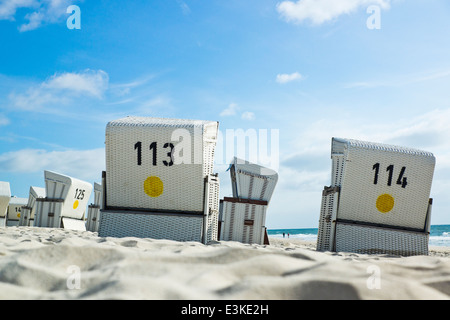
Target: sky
[(293, 73)]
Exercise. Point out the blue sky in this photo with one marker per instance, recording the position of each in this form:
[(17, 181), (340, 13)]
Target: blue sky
[(312, 70)]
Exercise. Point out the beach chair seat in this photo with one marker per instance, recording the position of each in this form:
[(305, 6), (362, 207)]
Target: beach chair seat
[(378, 201), (93, 217), (65, 203), (15, 211), (252, 181), (159, 180), (243, 220), (5, 197), (29, 211)]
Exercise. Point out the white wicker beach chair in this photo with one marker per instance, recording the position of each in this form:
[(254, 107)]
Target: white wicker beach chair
[(378, 201), (243, 220), (65, 203), (252, 181), (159, 180), (28, 211), (93, 217), (5, 197), (15, 211)]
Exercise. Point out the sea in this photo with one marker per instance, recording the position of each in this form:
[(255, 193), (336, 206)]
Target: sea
[(439, 234)]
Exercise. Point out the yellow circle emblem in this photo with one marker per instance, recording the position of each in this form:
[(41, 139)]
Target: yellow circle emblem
[(385, 203), (153, 187), (75, 204)]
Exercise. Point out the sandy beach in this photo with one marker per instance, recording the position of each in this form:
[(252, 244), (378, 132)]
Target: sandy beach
[(61, 264)]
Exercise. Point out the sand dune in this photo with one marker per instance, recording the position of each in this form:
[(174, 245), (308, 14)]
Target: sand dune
[(61, 264)]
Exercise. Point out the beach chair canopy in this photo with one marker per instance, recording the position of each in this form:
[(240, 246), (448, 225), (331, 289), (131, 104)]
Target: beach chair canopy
[(158, 164), (378, 192), (74, 193), (252, 181), (5, 197)]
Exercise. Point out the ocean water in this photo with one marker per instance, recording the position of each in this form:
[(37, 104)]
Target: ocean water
[(439, 234)]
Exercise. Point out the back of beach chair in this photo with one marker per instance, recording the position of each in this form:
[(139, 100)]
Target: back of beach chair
[(5, 197), (15, 211), (65, 203), (252, 181), (378, 201), (159, 180), (93, 217), (243, 220), (29, 211), (243, 217)]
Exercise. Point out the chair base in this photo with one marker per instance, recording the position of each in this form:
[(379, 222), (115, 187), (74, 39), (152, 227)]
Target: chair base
[(177, 227), (49, 215), (373, 240), (243, 220), (12, 223)]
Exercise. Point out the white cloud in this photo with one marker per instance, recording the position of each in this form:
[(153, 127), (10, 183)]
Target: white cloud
[(230, 110), (233, 109), (248, 116), (3, 120), (60, 89), (285, 78), (320, 11), (8, 8), (400, 80), (88, 82), (123, 89), (184, 7), (83, 164), (42, 12)]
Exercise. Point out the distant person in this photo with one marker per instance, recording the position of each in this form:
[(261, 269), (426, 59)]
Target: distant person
[(288, 235), (283, 234)]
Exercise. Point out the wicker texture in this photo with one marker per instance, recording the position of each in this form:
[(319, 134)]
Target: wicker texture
[(252, 181), (330, 198), (159, 225), (243, 221), (381, 189), (131, 146), (156, 226), (5, 197), (359, 239), (359, 194)]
